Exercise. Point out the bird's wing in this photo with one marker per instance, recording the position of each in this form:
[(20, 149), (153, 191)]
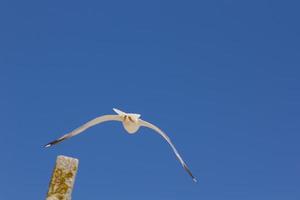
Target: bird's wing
[(85, 126), (155, 128)]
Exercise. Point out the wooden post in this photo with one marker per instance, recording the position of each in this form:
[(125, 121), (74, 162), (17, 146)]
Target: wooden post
[(63, 178)]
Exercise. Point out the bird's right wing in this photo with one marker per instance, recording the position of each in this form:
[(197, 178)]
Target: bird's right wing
[(85, 126), (165, 136)]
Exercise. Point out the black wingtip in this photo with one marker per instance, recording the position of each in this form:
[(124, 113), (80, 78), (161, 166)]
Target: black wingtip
[(190, 173), (47, 145), (53, 143), (50, 144)]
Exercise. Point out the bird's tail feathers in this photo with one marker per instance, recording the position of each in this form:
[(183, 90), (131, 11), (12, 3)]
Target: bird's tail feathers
[(119, 112)]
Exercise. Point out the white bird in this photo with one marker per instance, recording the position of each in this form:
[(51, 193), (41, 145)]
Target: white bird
[(131, 122)]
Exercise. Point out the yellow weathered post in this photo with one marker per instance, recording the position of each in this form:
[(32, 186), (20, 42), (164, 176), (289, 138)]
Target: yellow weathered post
[(63, 178)]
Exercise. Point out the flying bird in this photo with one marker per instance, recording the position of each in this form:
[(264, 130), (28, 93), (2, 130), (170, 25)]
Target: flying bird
[(131, 122)]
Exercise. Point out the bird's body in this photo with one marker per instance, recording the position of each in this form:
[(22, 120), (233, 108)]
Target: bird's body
[(131, 123)]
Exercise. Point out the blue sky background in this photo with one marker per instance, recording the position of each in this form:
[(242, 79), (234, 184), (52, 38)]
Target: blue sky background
[(220, 77)]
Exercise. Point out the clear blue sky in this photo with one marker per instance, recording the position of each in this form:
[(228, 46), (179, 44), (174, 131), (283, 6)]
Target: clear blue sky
[(220, 77)]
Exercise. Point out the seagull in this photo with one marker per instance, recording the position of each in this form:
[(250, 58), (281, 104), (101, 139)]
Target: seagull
[(131, 122)]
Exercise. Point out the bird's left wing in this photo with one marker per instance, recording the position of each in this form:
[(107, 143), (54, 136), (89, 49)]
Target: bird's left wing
[(155, 128), (85, 126)]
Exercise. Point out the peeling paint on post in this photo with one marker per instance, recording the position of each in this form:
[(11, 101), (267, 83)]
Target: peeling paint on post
[(63, 178)]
